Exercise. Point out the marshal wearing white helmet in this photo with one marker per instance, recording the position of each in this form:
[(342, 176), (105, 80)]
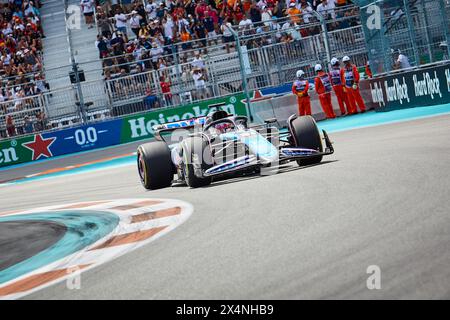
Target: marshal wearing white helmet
[(300, 88), (323, 87), (338, 86), (300, 74), (334, 61), (350, 78)]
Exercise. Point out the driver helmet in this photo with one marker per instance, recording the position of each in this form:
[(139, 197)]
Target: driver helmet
[(208, 120), (216, 115), (223, 127)]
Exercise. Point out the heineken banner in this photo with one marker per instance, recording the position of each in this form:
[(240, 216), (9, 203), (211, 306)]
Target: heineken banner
[(419, 87), (140, 127), (107, 133)]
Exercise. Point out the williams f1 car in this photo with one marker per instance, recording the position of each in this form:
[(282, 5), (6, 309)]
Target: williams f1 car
[(219, 145)]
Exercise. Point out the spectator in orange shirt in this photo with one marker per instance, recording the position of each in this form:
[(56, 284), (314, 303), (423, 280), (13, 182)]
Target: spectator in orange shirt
[(294, 13), (185, 37), (341, 3)]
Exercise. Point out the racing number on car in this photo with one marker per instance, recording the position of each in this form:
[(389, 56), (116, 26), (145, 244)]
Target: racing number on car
[(84, 137)]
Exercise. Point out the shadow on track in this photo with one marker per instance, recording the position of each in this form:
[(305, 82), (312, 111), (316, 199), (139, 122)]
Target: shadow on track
[(285, 168), (282, 169)]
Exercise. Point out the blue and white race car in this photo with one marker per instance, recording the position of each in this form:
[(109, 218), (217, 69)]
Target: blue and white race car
[(218, 145)]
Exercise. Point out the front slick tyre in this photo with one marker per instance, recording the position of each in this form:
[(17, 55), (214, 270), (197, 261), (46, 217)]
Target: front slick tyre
[(307, 135), (196, 160), (155, 165)]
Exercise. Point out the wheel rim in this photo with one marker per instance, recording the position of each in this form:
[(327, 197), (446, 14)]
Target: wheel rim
[(185, 168), (141, 168)]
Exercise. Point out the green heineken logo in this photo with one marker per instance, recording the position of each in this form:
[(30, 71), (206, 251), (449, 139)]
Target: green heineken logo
[(8, 155), (141, 126), (23, 149)]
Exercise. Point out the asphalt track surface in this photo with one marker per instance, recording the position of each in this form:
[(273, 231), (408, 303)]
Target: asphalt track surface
[(23, 239), (382, 199)]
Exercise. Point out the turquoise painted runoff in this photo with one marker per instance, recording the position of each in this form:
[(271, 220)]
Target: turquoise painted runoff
[(370, 119), (83, 229)]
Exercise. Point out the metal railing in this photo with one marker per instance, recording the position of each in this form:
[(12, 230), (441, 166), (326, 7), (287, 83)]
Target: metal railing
[(265, 55), (19, 110), (420, 29)]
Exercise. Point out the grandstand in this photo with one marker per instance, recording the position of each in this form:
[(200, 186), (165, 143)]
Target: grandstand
[(21, 60), (132, 68)]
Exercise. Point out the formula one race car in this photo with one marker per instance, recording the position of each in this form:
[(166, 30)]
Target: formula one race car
[(218, 145)]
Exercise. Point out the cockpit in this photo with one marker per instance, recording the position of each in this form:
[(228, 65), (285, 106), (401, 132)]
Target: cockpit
[(222, 126), (221, 122)]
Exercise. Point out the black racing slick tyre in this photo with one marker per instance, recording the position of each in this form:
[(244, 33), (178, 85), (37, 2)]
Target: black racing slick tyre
[(196, 159), (306, 135), (155, 165)]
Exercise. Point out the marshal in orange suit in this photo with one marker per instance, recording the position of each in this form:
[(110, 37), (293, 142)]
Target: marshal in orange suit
[(300, 89), (323, 87), (338, 87), (350, 78)]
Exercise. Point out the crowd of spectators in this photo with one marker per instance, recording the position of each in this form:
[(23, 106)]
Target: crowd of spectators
[(21, 75), (136, 37), (139, 36)]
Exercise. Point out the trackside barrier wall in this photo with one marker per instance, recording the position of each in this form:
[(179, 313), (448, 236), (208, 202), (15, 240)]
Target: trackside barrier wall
[(280, 103), (103, 134), (424, 86)]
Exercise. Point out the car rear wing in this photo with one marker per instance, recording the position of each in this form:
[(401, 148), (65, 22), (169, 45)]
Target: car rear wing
[(165, 128), (188, 123)]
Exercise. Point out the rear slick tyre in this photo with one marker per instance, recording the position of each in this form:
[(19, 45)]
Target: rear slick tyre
[(306, 135)]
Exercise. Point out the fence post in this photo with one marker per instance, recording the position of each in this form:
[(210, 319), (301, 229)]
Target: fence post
[(326, 40), (445, 26), (427, 32), (177, 73), (81, 109), (243, 74), (261, 56), (43, 98), (95, 19), (412, 34), (210, 72)]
